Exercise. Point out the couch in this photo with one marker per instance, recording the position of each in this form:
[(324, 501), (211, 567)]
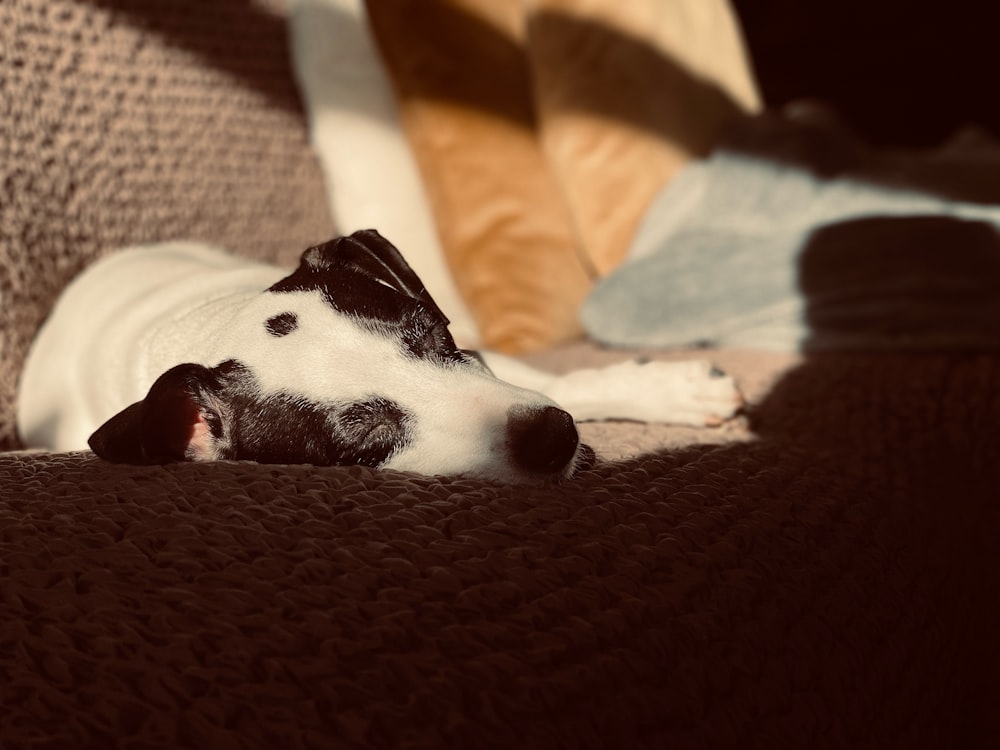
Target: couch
[(821, 572)]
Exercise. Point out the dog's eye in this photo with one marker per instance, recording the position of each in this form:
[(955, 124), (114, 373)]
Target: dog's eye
[(370, 431)]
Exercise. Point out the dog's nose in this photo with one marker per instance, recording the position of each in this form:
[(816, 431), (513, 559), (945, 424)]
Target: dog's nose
[(542, 439)]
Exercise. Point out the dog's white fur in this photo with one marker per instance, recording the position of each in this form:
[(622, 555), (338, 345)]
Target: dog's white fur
[(136, 314)]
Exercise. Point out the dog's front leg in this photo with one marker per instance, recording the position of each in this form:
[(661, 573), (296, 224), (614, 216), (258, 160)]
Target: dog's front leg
[(691, 392)]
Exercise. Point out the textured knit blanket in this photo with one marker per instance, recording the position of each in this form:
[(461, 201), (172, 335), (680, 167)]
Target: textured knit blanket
[(831, 583)]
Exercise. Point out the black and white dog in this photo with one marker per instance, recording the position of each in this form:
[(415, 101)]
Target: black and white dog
[(181, 352)]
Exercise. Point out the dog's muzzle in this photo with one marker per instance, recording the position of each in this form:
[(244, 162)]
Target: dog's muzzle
[(542, 440)]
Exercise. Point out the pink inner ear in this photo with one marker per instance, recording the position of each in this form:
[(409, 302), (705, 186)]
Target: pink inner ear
[(201, 444)]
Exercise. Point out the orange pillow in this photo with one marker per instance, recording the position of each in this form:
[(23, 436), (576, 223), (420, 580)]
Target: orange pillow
[(466, 106)]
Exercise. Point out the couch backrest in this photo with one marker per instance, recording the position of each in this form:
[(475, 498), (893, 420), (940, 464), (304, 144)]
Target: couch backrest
[(125, 122)]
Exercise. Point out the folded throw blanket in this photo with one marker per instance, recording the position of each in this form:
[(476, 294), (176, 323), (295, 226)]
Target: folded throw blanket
[(794, 233)]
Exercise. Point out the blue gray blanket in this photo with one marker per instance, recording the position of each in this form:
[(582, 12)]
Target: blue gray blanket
[(796, 235)]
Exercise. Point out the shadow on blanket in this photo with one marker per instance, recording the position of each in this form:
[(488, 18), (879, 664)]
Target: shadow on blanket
[(901, 282)]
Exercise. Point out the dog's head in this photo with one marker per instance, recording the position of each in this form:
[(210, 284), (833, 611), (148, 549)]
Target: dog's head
[(347, 361)]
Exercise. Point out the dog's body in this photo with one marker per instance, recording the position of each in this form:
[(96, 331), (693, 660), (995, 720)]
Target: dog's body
[(180, 352)]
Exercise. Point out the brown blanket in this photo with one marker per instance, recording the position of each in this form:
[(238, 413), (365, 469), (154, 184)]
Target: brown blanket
[(831, 583)]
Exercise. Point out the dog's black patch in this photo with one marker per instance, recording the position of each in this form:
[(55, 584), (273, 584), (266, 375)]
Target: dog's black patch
[(286, 428), (425, 337), (365, 277), (421, 332), (282, 428), (282, 324)]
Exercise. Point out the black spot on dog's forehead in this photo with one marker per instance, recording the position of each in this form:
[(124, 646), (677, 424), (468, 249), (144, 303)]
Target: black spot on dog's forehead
[(282, 324)]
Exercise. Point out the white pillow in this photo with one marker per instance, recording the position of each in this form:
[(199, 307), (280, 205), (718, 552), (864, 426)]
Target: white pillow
[(371, 176)]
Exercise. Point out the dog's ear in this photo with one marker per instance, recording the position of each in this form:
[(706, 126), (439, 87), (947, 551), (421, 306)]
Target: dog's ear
[(369, 253), (181, 419)]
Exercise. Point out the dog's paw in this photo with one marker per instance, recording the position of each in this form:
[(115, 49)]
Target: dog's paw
[(693, 392), (690, 392)]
